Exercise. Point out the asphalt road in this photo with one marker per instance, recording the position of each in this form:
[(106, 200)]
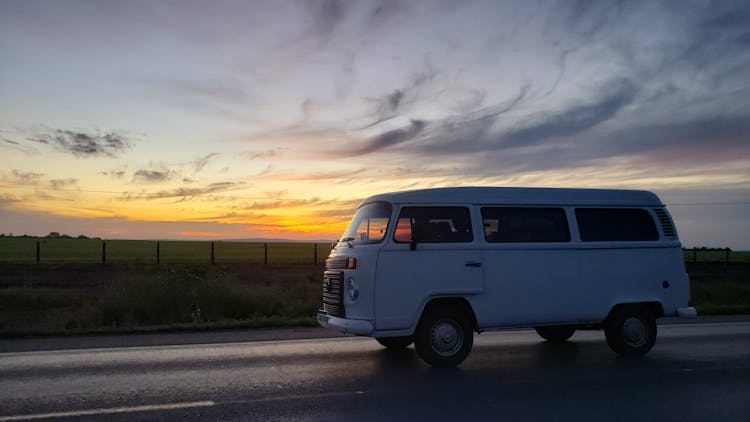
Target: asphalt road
[(694, 373)]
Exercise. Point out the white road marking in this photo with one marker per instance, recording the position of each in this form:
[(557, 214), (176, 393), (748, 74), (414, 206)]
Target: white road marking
[(108, 411)]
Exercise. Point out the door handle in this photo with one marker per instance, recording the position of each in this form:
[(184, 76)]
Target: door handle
[(473, 264)]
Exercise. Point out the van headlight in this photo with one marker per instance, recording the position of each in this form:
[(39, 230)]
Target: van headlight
[(353, 288)]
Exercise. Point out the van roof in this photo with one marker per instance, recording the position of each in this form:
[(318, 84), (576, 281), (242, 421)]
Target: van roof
[(520, 196)]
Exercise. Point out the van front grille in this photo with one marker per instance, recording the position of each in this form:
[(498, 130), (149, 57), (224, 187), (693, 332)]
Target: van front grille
[(666, 224), (333, 293)]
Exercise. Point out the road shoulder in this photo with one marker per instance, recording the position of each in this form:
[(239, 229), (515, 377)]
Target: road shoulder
[(15, 345)]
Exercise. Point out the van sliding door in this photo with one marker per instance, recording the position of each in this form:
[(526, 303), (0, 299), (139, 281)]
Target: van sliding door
[(531, 267)]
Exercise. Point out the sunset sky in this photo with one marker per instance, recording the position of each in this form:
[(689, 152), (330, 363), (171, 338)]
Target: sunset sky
[(225, 120)]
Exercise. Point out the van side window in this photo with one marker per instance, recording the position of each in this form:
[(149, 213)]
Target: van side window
[(615, 224), (433, 225), (516, 224)]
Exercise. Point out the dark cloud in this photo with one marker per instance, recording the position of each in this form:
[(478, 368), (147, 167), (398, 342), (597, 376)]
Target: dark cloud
[(668, 146), (27, 176), (390, 138), (396, 102), (62, 183), (192, 192), (152, 176), (576, 119), (14, 145), (83, 144), (460, 135), (183, 192), (713, 134)]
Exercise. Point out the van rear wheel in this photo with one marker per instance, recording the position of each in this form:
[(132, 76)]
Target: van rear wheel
[(555, 333), (444, 336), (395, 343), (631, 330)]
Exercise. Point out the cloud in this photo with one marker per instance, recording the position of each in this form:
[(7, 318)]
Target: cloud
[(82, 144), (575, 119), (27, 176), (115, 174), (192, 192), (200, 163), (13, 145), (264, 155), (62, 183), (181, 192), (394, 103), (390, 138), (152, 176)]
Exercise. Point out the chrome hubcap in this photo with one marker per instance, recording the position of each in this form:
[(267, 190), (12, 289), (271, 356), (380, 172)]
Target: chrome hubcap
[(446, 338), (634, 332)]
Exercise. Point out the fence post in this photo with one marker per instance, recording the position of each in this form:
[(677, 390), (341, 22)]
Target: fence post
[(158, 253), (104, 251), (695, 254), (265, 254), (212, 253), (315, 253), (37, 251), (727, 256)]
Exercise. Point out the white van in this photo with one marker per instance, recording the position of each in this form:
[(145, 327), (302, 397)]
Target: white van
[(433, 266)]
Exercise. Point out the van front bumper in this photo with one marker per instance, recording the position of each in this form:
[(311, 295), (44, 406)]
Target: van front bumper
[(687, 312), (345, 325)]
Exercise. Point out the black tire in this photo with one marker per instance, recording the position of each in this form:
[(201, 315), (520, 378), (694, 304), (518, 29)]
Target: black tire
[(631, 330), (444, 336), (555, 333), (395, 343)]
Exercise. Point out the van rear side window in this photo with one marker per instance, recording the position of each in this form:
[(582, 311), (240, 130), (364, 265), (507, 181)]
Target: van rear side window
[(615, 224), (433, 225), (517, 224)]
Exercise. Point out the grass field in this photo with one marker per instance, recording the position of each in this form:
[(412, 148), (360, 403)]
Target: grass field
[(23, 250), (54, 299), (45, 299)]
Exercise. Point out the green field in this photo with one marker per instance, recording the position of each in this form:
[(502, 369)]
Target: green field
[(56, 250), (74, 298)]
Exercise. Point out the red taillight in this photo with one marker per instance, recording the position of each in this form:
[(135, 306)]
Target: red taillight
[(351, 263)]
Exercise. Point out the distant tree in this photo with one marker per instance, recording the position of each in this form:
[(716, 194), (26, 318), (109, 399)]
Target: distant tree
[(53, 235), (2, 234), (82, 237), (65, 236)]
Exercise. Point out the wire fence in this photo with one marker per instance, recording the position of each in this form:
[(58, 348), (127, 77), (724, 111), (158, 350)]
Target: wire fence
[(715, 255), (45, 250), (68, 250)]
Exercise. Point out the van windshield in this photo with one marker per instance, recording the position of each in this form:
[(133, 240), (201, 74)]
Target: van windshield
[(368, 225)]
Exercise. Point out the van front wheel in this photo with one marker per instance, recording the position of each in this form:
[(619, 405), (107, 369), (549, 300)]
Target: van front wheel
[(555, 333), (444, 337), (631, 330)]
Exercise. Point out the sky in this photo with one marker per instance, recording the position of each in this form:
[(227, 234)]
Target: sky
[(251, 119)]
